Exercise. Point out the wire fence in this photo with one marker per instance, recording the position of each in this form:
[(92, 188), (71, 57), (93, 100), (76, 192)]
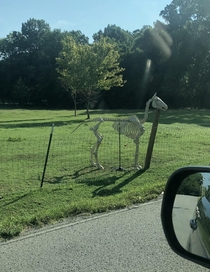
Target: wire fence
[(22, 159)]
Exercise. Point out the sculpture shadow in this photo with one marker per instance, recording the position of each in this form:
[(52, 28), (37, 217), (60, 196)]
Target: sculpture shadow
[(83, 171), (103, 191), (57, 180), (77, 174), (103, 182)]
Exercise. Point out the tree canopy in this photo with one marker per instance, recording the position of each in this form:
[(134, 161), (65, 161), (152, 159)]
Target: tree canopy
[(191, 185), (178, 50), (86, 69)]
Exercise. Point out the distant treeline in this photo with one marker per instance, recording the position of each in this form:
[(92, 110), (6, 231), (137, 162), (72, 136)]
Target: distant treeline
[(171, 58)]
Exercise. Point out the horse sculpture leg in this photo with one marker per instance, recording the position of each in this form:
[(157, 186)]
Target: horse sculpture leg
[(94, 149), (94, 153), (137, 166)]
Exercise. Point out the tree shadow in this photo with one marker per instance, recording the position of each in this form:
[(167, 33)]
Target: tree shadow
[(34, 125), (184, 116), (197, 117), (116, 113)]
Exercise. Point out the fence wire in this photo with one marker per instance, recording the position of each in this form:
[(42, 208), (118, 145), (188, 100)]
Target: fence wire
[(22, 159)]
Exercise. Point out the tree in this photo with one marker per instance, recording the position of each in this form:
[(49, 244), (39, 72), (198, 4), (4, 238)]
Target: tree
[(87, 69), (23, 52), (186, 75), (121, 97), (116, 34), (191, 185)]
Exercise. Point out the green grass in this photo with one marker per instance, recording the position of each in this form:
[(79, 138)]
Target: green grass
[(71, 186)]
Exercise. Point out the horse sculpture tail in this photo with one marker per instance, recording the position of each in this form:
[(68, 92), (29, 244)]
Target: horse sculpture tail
[(88, 120), (78, 126)]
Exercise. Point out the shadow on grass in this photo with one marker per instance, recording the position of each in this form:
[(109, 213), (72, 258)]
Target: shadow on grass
[(191, 116), (105, 180), (15, 200), (84, 171), (77, 174), (184, 116), (7, 124), (102, 191), (56, 180)]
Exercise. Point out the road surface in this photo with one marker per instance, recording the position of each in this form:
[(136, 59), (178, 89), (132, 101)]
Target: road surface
[(183, 212), (127, 240)]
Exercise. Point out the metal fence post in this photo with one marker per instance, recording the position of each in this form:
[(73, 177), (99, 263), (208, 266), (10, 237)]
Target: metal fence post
[(46, 159)]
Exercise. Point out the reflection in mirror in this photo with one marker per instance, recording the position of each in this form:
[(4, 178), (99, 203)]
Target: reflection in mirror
[(191, 214)]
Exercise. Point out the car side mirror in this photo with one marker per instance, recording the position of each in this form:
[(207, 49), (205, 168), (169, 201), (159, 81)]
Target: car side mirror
[(185, 213)]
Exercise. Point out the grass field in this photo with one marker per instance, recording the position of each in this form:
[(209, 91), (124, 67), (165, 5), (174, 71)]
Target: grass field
[(71, 186)]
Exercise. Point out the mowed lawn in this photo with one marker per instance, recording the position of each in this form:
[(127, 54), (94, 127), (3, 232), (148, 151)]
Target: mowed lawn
[(71, 186)]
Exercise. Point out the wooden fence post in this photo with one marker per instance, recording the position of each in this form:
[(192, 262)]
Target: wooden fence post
[(152, 140)]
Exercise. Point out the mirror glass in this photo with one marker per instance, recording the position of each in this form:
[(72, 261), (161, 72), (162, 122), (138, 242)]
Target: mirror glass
[(191, 214)]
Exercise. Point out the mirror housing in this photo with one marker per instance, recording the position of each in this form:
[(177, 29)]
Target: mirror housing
[(169, 196)]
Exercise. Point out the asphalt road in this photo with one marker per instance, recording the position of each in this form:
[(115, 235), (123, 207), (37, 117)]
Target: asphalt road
[(127, 240)]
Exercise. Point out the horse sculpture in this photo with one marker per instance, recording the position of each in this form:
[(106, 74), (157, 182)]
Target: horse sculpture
[(131, 127)]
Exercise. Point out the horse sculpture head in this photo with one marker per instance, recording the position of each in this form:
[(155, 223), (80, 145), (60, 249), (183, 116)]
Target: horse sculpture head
[(157, 103)]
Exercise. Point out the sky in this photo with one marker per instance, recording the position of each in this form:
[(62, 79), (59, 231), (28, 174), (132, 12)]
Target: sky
[(88, 16)]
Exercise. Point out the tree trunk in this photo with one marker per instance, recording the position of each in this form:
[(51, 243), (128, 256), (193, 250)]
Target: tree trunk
[(75, 108), (75, 103), (87, 110)]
